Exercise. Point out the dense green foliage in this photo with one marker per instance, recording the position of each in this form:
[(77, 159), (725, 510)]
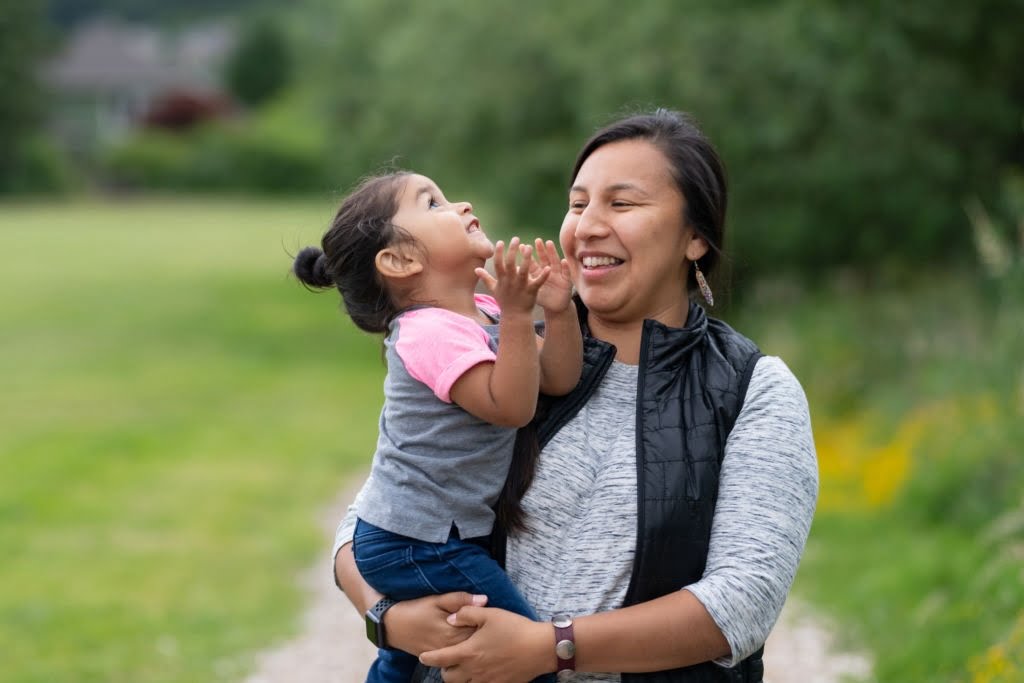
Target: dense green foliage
[(853, 131), (273, 153), (261, 64), (917, 395), (28, 162)]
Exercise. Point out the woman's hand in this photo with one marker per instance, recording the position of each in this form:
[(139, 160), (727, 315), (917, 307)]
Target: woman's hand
[(555, 295), (506, 648), (420, 625)]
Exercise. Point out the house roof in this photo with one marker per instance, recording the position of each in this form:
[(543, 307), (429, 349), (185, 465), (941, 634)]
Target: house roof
[(106, 55)]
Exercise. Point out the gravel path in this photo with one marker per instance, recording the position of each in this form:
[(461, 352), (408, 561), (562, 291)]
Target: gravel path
[(332, 645)]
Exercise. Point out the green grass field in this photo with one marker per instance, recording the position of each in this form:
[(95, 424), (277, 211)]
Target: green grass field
[(175, 412)]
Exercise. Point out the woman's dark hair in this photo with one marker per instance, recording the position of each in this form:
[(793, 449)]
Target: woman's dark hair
[(696, 167), (360, 229)]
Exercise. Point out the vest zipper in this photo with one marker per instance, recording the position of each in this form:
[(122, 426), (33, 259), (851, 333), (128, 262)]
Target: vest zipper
[(640, 479)]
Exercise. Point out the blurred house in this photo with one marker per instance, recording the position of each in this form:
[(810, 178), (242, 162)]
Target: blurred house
[(112, 77)]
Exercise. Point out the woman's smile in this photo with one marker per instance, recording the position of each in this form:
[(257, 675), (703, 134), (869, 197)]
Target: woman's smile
[(597, 262)]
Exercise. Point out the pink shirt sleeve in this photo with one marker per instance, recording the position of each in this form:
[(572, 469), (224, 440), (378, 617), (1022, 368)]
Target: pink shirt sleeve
[(438, 346), (487, 303)]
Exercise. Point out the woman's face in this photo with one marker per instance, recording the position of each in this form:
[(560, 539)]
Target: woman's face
[(624, 235)]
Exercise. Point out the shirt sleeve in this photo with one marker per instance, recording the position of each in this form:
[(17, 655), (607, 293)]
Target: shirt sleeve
[(437, 347), (488, 304), (767, 494)]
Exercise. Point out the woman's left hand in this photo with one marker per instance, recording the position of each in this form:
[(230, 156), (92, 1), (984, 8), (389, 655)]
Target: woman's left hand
[(506, 648), (555, 295)]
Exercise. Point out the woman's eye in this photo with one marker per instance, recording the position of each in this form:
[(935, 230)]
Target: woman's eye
[(618, 203), (578, 204)]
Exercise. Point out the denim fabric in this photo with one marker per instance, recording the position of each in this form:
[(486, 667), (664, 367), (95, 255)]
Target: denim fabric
[(404, 568)]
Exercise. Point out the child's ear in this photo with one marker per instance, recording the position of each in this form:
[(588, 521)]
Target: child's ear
[(393, 262)]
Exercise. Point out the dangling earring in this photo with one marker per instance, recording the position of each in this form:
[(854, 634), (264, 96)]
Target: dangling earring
[(702, 283)]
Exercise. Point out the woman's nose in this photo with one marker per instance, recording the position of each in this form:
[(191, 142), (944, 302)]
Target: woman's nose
[(590, 225)]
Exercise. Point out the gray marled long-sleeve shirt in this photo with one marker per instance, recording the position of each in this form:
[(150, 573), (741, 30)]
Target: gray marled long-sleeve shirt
[(578, 556)]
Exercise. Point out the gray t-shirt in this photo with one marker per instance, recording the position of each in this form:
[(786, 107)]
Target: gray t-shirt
[(577, 557), (436, 465)]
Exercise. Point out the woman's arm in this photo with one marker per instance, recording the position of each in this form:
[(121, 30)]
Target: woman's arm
[(669, 632), (411, 625), (767, 496), (561, 350)]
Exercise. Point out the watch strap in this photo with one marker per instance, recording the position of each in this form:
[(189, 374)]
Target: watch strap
[(375, 622)]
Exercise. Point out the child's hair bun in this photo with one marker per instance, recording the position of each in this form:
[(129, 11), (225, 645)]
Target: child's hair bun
[(311, 268)]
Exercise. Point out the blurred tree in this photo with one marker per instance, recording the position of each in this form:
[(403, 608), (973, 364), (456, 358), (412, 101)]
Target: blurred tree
[(853, 132), (261, 64), (873, 122), (21, 45)]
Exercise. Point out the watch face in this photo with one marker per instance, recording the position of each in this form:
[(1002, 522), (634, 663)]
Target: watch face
[(372, 630)]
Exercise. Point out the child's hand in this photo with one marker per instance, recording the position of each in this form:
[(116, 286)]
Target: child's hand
[(556, 293), (514, 286)]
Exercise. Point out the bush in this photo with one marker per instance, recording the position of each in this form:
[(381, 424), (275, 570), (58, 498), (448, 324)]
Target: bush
[(149, 160), (38, 168), (278, 151)]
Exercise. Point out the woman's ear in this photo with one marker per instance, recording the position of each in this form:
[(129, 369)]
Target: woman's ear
[(393, 262), (697, 247)]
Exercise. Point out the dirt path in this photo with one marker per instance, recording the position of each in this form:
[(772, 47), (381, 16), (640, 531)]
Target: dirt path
[(332, 646)]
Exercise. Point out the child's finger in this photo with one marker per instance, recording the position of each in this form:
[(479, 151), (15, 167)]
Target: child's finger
[(486, 278), (510, 255), (542, 254), (499, 258), (527, 251), (535, 282), (553, 256)]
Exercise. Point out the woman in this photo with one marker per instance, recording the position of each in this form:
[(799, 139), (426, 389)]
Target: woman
[(675, 485)]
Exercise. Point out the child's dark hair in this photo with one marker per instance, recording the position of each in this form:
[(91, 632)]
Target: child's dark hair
[(360, 229)]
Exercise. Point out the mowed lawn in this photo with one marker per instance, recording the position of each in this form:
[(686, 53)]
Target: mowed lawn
[(175, 412)]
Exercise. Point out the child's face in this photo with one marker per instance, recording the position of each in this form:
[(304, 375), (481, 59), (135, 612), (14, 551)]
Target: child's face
[(447, 233)]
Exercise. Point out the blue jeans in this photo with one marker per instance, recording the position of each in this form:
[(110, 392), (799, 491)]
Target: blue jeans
[(404, 568)]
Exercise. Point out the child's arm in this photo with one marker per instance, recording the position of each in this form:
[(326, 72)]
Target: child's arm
[(561, 350), (505, 392)]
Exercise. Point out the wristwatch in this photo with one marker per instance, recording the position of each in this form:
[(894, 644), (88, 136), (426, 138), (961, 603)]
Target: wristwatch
[(565, 645), (375, 622)]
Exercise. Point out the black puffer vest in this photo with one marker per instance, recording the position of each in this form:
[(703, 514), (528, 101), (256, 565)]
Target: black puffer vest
[(691, 386)]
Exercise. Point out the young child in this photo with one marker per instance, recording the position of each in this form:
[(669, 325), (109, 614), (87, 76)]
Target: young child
[(407, 262)]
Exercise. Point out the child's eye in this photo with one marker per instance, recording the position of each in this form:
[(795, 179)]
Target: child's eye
[(433, 204)]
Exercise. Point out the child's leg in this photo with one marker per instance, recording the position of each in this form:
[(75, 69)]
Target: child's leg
[(393, 666), (460, 565), (384, 561), (465, 565)]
